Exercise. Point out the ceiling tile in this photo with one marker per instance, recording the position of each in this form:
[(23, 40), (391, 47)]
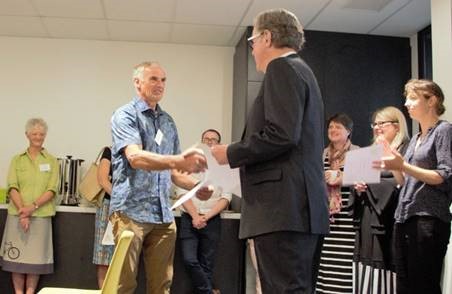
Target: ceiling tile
[(202, 35), (17, 7), (76, 28), (305, 10), (216, 12), (207, 22), (407, 22), (70, 8), (22, 26), (338, 18), (139, 31), (155, 10), (373, 5)]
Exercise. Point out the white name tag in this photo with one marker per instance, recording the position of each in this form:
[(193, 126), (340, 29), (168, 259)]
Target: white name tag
[(158, 137), (45, 167)]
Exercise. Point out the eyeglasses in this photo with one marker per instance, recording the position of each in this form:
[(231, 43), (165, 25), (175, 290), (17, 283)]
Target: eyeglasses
[(210, 140), (252, 39), (382, 124)]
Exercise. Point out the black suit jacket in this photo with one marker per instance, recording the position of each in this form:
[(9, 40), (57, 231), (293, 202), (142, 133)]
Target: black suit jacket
[(280, 154)]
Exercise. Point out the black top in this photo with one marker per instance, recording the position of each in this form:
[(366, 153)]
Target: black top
[(373, 214), (106, 154)]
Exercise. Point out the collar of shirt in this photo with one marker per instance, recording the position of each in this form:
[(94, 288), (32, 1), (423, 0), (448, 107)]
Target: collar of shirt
[(429, 131), (142, 106), (43, 152), (288, 53)]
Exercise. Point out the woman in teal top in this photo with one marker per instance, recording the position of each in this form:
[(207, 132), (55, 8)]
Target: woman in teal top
[(27, 250)]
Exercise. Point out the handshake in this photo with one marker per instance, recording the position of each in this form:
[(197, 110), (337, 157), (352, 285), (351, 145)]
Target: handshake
[(192, 161), (195, 161)]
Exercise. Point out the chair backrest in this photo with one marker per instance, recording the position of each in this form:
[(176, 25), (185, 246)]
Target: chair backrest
[(111, 281)]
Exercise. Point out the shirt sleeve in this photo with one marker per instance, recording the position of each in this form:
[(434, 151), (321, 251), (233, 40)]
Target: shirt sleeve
[(12, 181), (443, 146), (176, 149), (52, 185), (124, 130), (227, 196)]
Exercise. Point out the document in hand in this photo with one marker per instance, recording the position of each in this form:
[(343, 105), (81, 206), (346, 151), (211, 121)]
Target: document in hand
[(219, 176), (358, 165)]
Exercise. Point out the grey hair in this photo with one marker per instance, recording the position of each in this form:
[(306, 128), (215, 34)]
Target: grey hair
[(139, 69), (34, 122), (284, 26)]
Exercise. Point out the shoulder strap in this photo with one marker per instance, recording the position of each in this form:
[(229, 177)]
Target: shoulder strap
[(99, 155)]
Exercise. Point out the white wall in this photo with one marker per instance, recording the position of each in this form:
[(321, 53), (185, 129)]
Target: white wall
[(442, 49), (442, 63), (75, 85)]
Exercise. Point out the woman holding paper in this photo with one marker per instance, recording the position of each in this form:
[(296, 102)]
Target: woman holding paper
[(335, 272), (422, 218), (373, 211), (103, 253), (27, 247)]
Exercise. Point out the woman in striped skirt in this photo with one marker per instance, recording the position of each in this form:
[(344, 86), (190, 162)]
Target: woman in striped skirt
[(336, 261), (373, 209)]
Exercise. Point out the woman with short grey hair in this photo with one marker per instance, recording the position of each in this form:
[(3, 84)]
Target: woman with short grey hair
[(27, 247)]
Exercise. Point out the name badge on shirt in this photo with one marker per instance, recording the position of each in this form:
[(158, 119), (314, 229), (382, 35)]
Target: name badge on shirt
[(45, 167), (158, 137)]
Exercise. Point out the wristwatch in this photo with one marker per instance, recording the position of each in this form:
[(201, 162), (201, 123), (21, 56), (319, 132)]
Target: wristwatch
[(35, 205)]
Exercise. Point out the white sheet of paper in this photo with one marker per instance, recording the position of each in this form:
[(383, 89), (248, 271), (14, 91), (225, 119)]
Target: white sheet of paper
[(188, 195), (108, 238), (358, 165), (222, 176)]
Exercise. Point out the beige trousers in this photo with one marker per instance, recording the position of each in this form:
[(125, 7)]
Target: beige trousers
[(157, 242)]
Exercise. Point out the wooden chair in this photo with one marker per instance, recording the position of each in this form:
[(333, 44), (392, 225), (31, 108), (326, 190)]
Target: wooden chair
[(111, 281)]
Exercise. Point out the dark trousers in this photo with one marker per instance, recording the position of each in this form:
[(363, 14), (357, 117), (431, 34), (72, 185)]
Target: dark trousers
[(420, 246), (198, 251), (288, 262)]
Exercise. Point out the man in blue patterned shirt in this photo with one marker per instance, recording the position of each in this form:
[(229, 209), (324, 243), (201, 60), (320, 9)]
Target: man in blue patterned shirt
[(145, 159)]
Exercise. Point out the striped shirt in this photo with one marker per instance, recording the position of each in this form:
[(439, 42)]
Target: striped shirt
[(336, 260)]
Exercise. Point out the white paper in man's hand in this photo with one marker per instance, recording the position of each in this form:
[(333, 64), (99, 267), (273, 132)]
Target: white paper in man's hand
[(358, 165), (221, 176), (188, 195)]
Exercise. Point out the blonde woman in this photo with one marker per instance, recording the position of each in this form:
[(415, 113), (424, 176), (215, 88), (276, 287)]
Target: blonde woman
[(27, 247), (373, 211), (422, 228)]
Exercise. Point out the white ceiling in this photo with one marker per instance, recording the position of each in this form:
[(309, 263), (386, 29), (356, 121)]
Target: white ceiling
[(203, 22)]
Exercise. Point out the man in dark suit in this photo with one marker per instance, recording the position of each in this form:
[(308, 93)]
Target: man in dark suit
[(284, 207)]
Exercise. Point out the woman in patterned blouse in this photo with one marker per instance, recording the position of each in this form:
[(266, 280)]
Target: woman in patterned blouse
[(422, 228)]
